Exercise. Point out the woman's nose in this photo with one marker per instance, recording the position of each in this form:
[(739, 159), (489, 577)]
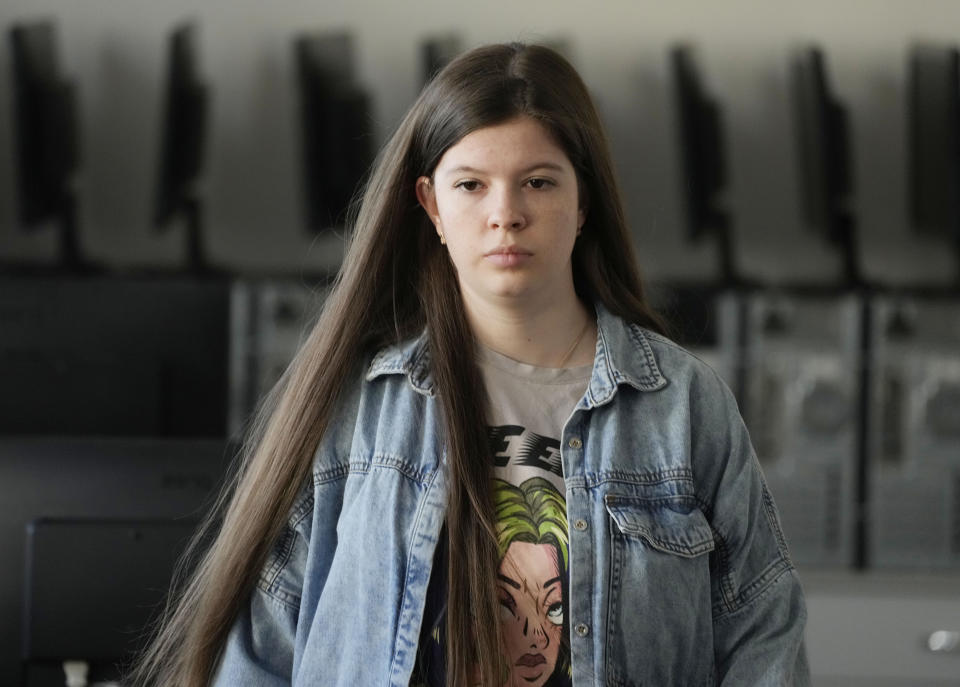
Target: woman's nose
[(507, 210)]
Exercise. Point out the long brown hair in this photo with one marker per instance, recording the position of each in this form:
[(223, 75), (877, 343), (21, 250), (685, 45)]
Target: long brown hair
[(396, 280)]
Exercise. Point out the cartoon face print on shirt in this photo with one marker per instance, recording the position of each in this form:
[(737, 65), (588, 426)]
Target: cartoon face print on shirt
[(531, 611), (531, 582)]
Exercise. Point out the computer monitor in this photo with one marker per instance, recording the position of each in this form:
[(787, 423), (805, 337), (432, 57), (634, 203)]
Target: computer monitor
[(436, 52), (823, 151), (182, 142), (934, 111), (703, 158), (65, 505), (114, 356), (47, 150), (337, 146), (119, 572)]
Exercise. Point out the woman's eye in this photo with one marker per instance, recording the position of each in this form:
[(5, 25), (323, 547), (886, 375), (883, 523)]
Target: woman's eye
[(539, 183), (469, 185), (555, 613)]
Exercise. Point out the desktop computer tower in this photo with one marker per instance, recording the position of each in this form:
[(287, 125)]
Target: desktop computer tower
[(914, 447), (723, 354), (269, 321), (706, 320), (803, 364)]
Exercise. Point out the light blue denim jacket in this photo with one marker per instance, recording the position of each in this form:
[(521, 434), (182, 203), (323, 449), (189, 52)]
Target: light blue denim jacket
[(679, 574)]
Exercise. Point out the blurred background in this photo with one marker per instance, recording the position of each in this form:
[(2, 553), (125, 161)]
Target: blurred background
[(173, 184)]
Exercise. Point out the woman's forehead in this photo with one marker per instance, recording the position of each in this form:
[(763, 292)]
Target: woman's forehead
[(517, 145)]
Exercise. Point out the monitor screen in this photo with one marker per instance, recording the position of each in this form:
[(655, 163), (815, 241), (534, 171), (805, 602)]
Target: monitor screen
[(335, 124), (114, 356), (184, 127), (45, 125), (63, 502), (934, 110), (822, 145), (703, 168), (119, 569), (436, 52)]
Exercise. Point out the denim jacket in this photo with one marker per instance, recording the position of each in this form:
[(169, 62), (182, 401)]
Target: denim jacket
[(679, 574)]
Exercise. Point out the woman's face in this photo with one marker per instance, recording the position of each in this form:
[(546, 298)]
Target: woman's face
[(529, 588), (505, 200)]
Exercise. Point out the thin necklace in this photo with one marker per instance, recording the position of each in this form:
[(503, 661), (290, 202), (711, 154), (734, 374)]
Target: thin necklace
[(576, 343)]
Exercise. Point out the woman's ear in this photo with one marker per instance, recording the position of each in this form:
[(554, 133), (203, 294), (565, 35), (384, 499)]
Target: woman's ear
[(427, 198)]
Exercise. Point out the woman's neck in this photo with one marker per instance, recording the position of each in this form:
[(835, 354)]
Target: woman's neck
[(560, 335)]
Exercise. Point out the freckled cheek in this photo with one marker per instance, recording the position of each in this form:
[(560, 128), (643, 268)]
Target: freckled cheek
[(460, 227), (456, 210), (565, 220)]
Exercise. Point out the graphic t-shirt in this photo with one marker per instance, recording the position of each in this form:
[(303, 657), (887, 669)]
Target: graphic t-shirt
[(528, 408)]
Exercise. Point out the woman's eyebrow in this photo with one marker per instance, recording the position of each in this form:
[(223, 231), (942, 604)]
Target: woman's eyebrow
[(467, 169), (552, 166)]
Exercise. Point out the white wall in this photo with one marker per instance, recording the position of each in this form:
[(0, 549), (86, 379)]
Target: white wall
[(115, 50)]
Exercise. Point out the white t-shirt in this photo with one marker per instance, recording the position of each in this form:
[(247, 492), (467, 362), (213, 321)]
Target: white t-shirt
[(528, 408)]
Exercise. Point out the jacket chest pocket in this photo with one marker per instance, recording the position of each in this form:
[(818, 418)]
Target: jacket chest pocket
[(659, 621)]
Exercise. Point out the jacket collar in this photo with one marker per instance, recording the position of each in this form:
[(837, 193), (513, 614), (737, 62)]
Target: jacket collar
[(410, 358), (624, 356)]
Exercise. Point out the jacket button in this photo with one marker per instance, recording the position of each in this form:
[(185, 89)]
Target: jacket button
[(580, 524), (574, 442), (583, 629)]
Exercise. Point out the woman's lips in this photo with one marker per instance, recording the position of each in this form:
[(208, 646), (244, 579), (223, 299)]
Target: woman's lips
[(508, 257), (531, 660)]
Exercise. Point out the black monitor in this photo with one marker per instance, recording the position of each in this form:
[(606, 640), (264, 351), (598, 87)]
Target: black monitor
[(89, 533), (436, 52), (119, 572), (182, 144), (823, 151), (934, 111), (335, 125), (704, 167), (46, 137), (114, 356)]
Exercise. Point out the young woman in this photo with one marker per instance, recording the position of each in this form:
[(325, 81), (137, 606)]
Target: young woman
[(488, 465)]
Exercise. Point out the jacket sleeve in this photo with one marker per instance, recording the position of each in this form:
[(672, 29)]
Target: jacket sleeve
[(759, 613), (259, 651)]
